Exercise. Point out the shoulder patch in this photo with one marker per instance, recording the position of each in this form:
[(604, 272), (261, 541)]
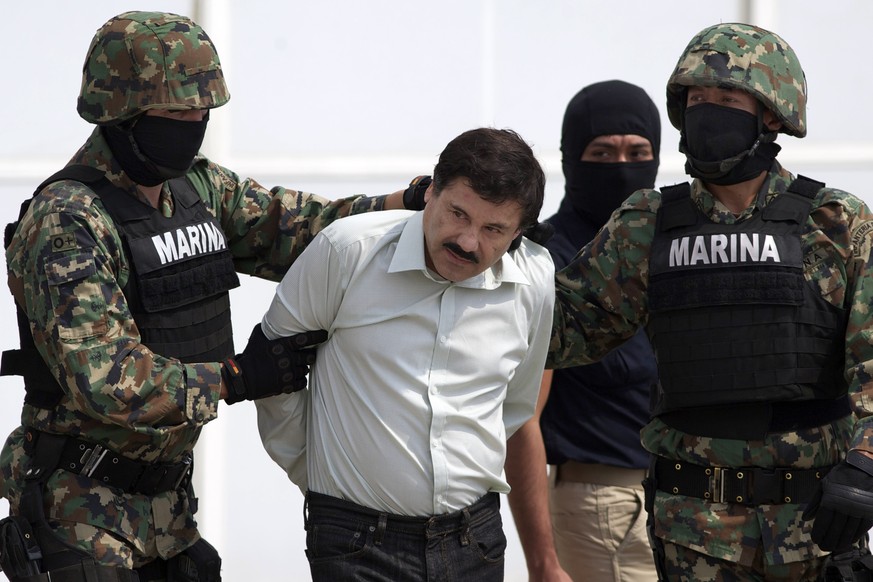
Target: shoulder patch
[(861, 238), (64, 242)]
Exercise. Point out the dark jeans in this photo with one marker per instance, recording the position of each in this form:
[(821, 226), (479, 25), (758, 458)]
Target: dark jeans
[(345, 541)]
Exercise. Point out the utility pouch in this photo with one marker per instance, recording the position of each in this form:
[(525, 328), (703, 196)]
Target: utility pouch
[(199, 563), (19, 553)]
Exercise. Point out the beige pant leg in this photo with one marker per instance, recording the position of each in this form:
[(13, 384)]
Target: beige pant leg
[(600, 532)]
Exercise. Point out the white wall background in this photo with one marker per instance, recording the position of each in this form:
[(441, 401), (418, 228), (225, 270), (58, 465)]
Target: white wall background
[(340, 97)]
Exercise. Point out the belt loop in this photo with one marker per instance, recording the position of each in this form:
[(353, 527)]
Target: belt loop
[(380, 528), (465, 531)]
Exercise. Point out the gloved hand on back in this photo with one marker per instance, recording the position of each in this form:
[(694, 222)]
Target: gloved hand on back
[(269, 367)]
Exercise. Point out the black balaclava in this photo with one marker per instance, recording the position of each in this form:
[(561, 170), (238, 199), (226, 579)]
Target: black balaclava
[(596, 189), (725, 145), (153, 149)]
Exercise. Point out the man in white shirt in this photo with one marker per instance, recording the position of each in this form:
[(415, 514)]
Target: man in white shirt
[(437, 338)]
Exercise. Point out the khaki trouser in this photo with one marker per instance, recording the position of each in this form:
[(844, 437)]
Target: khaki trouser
[(599, 523)]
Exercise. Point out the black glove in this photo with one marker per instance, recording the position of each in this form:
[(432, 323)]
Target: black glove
[(540, 233), (269, 367), (843, 507), (413, 197)]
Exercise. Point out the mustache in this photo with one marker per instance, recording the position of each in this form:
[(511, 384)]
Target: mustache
[(472, 257)]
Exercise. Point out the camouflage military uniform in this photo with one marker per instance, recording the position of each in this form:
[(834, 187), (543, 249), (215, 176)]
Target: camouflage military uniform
[(602, 300), (143, 405), (68, 260), (603, 297)]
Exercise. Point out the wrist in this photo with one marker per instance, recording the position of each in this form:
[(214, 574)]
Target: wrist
[(233, 385), (860, 460), (543, 565)]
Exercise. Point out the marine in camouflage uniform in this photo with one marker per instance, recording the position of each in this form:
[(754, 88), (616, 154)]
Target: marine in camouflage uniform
[(605, 295), (68, 266)]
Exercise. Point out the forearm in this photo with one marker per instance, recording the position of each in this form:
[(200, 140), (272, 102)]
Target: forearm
[(529, 498), (268, 229)]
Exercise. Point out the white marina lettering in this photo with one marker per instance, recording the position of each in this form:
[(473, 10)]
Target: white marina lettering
[(215, 236), (719, 248), (749, 248), (679, 251), (194, 239), (165, 247), (182, 244), (189, 241), (699, 252)]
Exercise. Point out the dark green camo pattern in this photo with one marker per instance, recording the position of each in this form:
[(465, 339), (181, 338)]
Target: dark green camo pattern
[(748, 58), (149, 60)]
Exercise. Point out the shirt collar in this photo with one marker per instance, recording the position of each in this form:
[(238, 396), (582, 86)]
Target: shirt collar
[(409, 256)]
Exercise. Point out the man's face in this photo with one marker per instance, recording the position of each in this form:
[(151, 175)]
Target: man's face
[(724, 96), (463, 234), (618, 148)]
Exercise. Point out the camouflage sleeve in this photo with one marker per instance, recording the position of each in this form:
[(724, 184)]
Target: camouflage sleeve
[(71, 265), (601, 296), (858, 250), (268, 229)]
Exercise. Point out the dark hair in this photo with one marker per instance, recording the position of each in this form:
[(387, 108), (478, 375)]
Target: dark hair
[(498, 165)]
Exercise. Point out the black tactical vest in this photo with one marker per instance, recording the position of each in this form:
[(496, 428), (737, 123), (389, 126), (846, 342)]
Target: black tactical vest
[(732, 319), (181, 272)]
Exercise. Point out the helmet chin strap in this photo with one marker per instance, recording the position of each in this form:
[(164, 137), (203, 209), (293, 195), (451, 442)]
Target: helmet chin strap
[(127, 128), (722, 167)]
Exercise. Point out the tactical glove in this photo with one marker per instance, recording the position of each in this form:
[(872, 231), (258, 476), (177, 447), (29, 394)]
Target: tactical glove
[(843, 507), (413, 197), (269, 367)]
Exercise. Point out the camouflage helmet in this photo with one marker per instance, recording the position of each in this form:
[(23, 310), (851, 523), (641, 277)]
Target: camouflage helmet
[(149, 60), (748, 58)]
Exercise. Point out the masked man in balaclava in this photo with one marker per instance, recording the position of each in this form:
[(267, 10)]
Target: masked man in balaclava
[(593, 414)]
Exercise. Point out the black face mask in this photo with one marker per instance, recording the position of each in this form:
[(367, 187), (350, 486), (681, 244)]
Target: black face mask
[(724, 145), (596, 189), (155, 149)]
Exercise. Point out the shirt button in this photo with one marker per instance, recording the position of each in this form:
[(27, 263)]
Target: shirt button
[(443, 339)]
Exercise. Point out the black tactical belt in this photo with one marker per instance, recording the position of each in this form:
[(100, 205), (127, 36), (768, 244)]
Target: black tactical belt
[(113, 470), (745, 485)]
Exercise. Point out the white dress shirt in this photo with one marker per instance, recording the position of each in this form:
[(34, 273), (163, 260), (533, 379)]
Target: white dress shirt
[(421, 381)]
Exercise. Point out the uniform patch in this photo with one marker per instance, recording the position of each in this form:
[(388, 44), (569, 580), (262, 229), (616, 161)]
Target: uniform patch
[(858, 236), (64, 242), (814, 259)]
